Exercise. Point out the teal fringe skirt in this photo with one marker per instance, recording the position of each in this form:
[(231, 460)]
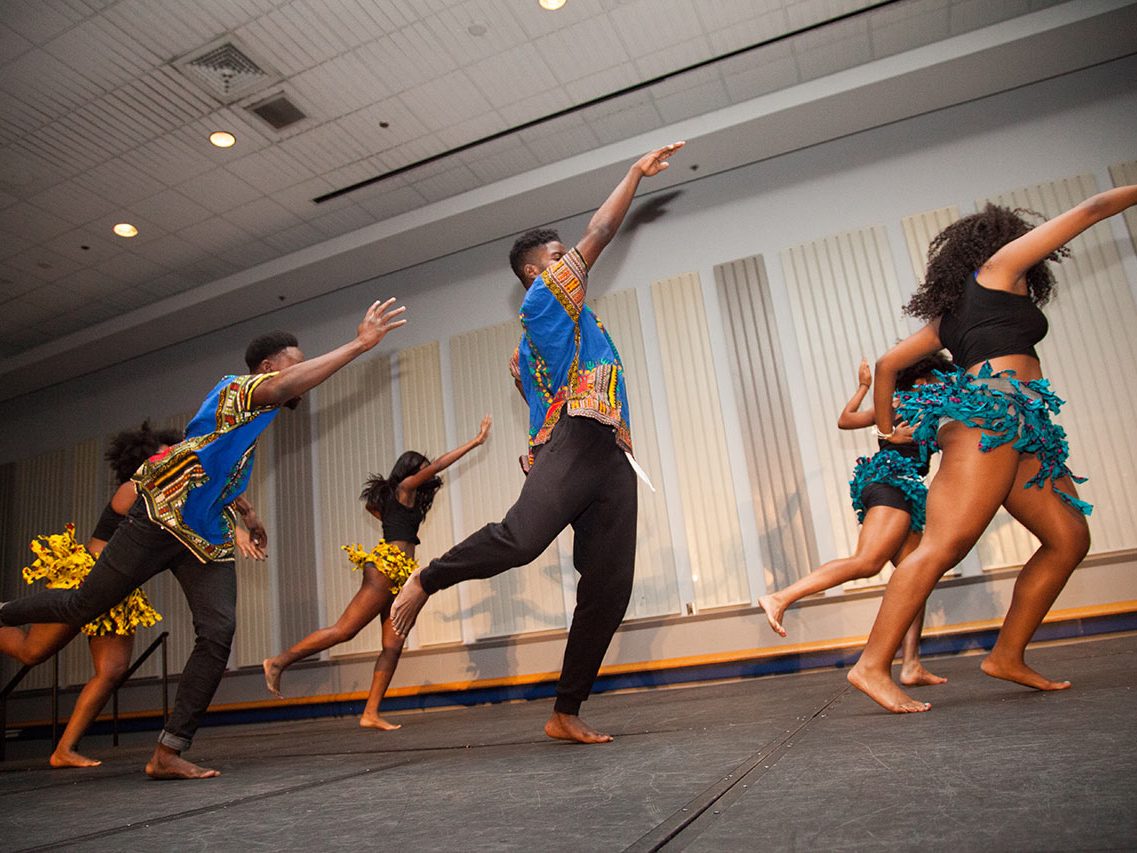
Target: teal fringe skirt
[(890, 469), (1008, 410)]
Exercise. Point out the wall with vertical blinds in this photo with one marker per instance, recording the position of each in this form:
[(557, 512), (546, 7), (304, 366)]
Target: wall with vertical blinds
[(805, 271)]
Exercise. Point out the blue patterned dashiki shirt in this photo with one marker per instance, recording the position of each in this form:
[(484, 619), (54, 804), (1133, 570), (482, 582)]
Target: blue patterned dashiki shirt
[(188, 488), (566, 360)]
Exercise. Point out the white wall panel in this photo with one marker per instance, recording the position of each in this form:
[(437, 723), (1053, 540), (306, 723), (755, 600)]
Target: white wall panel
[(528, 598), (355, 435), (765, 411), (920, 229), (1087, 356), (424, 430), (846, 303), (655, 591), (718, 572)]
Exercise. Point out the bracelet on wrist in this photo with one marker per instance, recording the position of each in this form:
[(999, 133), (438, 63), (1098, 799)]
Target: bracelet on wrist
[(883, 436)]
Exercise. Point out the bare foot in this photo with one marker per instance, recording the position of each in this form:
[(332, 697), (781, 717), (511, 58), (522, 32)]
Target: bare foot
[(1020, 673), (883, 691), (571, 727), (408, 603), (167, 764), (914, 675), (377, 722), (272, 677), (70, 758), (774, 610)]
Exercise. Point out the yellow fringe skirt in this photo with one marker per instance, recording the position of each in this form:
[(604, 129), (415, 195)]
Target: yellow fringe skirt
[(63, 563), (387, 558)]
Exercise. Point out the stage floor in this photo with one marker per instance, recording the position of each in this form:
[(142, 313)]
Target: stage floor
[(799, 762)]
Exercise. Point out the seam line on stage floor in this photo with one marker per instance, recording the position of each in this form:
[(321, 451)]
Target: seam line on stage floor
[(227, 804), (684, 825)]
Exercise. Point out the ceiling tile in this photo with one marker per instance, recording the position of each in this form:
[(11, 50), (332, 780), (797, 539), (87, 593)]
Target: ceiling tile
[(271, 169), (120, 180), (504, 162), (627, 116), (391, 201), (760, 72), (296, 238), (170, 210), (445, 100), (967, 15), (99, 245), (215, 235), (73, 203), (343, 221), (262, 216), (12, 44), (832, 49), (498, 78), (909, 25), (218, 190), (37, 21), (535, 107), (602, 83), (560, 138), (583, 50), (689, 101), (31, 222), (645, 32)]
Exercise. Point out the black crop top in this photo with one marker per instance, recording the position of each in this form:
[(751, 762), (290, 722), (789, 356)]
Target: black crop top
[(988, 323), (108, 523), (401, 523)]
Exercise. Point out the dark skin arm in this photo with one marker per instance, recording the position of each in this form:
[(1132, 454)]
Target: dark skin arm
[(1007, 268), (921, 344), (255, 545), (852, 418), (610, 215), (405, 490), (294, 380)]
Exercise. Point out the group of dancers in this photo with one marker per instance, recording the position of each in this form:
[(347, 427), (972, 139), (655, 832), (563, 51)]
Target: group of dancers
[(987, 412)]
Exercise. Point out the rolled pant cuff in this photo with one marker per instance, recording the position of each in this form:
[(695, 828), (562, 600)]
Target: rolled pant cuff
[(565, 705), (173, 741)]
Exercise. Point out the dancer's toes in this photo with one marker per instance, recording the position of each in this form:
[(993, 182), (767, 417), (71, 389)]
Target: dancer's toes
[(272, 677), (571, 727), (914, 675), (773, 611), (1018, 672), (883, 690), (367, 721), (167, 764), (408, 603), (70, 758)]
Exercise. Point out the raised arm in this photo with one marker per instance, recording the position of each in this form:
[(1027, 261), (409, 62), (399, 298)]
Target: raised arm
[(293, 381), (851, 416), (916, 346), (1011, 262), (608, 218), (444, 461)]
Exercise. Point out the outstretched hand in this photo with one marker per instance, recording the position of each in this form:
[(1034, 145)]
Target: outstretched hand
[(484, 430), (378, 321), (655, 161)]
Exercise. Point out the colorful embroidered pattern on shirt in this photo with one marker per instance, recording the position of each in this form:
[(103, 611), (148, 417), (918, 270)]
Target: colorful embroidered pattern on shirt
[(566, 361), (188, 487)]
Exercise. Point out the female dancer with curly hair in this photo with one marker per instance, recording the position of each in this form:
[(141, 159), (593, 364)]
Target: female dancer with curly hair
[(63, 563), (888, 495), (400, 501), (987, 276)]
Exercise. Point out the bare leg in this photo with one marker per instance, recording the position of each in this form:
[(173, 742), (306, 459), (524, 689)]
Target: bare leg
[(912, 671), (962, 500), (167, 763), (36, 644), (381, 679), (883, 533), (1065, 538), (365, 605), (111, 657)]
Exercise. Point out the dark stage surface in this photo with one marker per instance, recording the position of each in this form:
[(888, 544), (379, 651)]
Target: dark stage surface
[(798, 762)]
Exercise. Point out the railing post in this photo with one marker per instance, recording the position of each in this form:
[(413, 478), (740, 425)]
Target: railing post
[(8, 688)]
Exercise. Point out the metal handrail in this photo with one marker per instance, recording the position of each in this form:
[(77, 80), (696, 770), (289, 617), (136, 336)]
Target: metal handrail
[(160, 640)]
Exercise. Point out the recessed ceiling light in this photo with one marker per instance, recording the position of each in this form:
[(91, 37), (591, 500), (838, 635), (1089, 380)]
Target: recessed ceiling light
[(551, 5), (223, 139), (125, 229)]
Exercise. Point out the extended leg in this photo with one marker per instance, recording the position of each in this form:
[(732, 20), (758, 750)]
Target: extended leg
[(912, 671), (381, 678), (883, 533), (374, 593), (604, 552), (965, 493), (211, 592), (1065, 539), (111, 657), (38, 643)]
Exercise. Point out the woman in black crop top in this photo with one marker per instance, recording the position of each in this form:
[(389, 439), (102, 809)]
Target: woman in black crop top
[(888, 495), (400, 501), (987, 274), (110, 637)]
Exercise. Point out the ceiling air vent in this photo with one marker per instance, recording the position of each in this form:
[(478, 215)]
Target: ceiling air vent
[(227, 70), (278, 111)]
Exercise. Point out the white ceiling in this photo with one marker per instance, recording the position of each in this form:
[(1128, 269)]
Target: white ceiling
[(99, 126)]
